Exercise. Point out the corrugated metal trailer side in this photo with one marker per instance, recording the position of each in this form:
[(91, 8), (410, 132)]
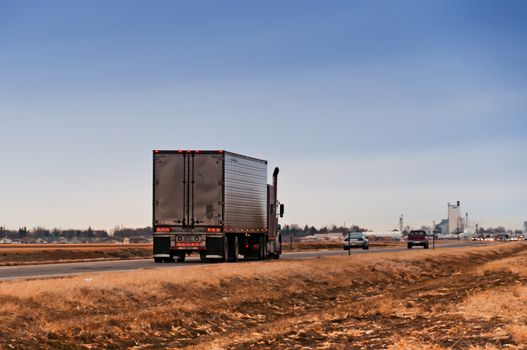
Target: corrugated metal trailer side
[(245, 194)]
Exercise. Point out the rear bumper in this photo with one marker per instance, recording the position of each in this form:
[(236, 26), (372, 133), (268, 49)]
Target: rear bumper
[(418, 242), (167, 245)]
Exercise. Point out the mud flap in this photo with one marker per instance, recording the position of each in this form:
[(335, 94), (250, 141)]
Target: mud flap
[(161, 246), (214, 246)]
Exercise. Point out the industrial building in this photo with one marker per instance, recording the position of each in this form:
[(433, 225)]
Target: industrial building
[(442, 227), (455, 222)]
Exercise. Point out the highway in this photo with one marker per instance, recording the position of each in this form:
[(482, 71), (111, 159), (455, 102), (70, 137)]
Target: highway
[(65, 269)]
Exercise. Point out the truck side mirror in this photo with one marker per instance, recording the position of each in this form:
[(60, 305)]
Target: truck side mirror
[(281, 210)]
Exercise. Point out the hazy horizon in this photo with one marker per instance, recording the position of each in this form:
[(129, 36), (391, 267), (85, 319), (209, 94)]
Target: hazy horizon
[(370, 109)]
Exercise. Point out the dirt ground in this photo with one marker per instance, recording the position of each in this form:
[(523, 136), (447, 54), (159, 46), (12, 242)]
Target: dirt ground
[(465, 298), (26, 254)]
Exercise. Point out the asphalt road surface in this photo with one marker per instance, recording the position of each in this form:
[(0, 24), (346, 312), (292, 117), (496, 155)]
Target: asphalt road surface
[(54, 270)]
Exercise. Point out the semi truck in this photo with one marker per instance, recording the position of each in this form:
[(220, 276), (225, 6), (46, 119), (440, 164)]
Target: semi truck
[(216, 204)]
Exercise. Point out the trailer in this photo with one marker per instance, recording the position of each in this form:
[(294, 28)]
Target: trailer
[(216, 204)]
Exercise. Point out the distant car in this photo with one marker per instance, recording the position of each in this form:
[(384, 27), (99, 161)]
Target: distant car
[(417, 238), (356, 240)]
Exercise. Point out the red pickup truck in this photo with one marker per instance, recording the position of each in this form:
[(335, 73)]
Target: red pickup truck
[(417, 238)]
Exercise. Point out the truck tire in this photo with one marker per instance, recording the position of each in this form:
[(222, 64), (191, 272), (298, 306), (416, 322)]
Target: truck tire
[(203, 257), (409, 246), (262, 251), (366, 247), (181, 257), (426, 246), (225, 249), (234, 248), (158, 260)]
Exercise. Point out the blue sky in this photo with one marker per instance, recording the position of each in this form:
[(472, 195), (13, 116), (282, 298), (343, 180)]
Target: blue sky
[(371, 109)]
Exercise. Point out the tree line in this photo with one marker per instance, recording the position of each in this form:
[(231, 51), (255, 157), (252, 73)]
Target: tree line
[(119, 233), (41, 233), (298, 231)]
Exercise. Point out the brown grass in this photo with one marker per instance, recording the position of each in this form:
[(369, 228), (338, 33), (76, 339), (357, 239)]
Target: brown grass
[(26, 254), (408, 300)]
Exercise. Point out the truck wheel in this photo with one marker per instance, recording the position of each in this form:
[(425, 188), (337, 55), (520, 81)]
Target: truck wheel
[(366, 247), (158, 260), (181, 257), (409, 246), (262, 252), (203, 257), (234, 248), (426, 246), (266, 252), (225, 249)]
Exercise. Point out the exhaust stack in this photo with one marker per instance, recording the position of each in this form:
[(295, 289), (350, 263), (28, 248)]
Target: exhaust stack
[(275, 184)]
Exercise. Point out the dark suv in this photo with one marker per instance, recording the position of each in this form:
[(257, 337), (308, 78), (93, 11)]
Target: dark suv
[(416, 238)]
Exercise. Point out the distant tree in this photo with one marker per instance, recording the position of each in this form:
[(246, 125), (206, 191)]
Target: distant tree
[(356, 228), (22, 232)]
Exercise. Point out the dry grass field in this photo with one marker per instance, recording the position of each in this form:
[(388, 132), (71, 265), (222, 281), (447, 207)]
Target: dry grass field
[(26, 254), (468, 298)]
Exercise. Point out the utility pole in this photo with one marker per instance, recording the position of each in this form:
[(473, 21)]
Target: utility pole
[(433, 235), (349, 243)]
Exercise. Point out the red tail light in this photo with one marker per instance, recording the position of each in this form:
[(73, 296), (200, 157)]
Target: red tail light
[(162, 229), (213, 229), (187, 244), (255, 246)]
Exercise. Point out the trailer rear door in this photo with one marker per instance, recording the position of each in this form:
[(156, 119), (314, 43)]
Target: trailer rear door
[(169, 189), (188, 189), (207, 199)]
